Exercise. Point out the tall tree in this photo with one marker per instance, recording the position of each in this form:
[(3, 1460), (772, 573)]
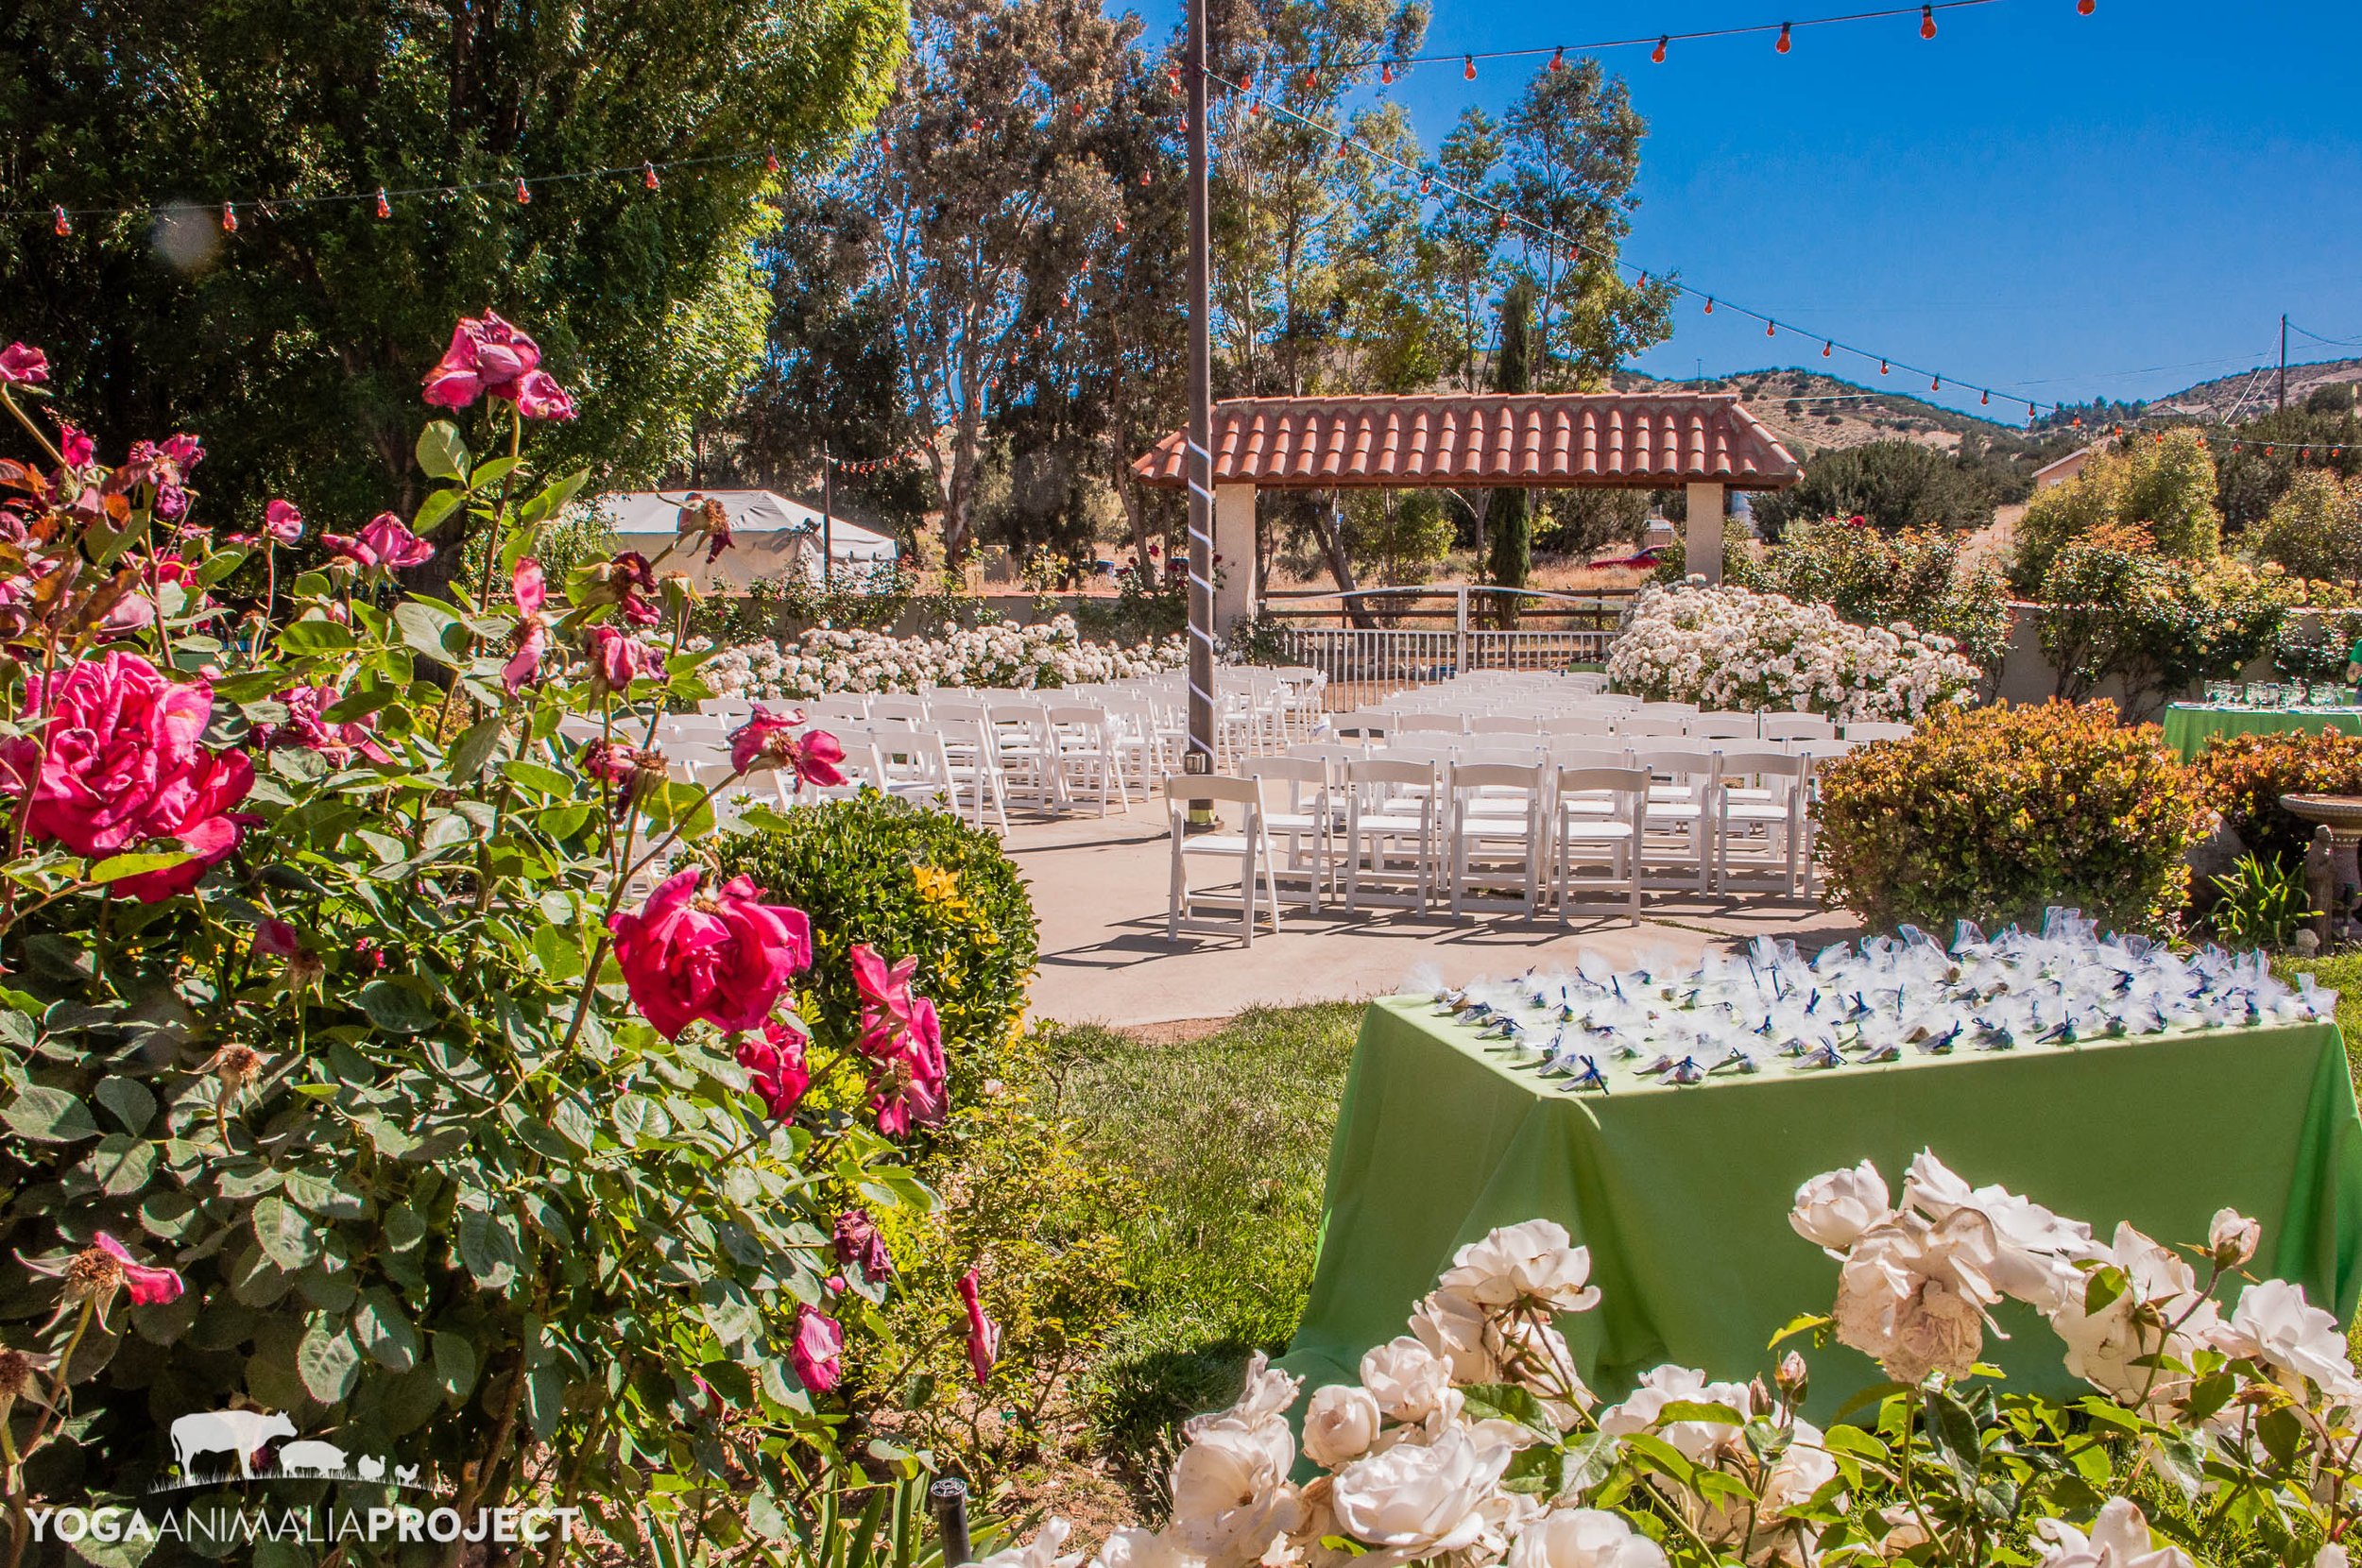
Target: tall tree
[(297, 344), (1468, 238), (1511, 516)]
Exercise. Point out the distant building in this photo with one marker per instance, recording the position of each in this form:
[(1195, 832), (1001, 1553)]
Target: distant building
[(771, 536), (2061, 470)]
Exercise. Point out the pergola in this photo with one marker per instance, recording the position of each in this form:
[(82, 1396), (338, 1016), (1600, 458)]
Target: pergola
[(1703, 441)]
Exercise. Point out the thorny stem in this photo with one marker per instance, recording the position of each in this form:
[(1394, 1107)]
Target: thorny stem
[(31, 429)]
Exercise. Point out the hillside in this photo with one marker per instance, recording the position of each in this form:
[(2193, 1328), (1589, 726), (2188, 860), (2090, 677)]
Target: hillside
[(1811, 412), (2253, 392)]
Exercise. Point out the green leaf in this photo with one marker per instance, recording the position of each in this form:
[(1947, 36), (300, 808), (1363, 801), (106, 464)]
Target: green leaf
[(1809, 1323), (488, 1250), (395, 1008), (133, 1102), (1692, 1410), (285, 1233), (435, 508), (1656, 1453), (1952, 1427), (474, 748), (431, 630), (385, 1330), (2106, 1283), (455, 1363), (316, 636), (442, 453), (492, 470), (1586, 1461), (122, 1165), (116, 867), (730, 1312), (552, 497), (327, 1360), (49, 1115)]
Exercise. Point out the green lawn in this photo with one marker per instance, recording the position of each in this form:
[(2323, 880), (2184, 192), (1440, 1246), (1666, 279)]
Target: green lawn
[(1229, 1136), (2343, 976)]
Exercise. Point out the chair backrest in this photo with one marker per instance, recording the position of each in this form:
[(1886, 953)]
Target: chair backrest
[(1496, 776), (956, 710), (1389, 773), (1726, 727), (1578, 755), (1594, 723), (1652, 723), (1093, 719), (1876, 731), (898, 708), (1450, 724), (1504, 724), (1762, 763), (1293, 771), (1364, 724), (1796, 726), (1823, 748), (1675, 763), (1515, 756), (1595, 780), (1182, 787), (1679, 710)]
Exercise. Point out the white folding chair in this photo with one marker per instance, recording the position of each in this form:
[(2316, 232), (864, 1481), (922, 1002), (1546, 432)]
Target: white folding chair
[(1431, 723), (1643, 725), (1027, 754), (1797, 726), (1508, 843), (1726, 727), (1089, 755), (1304, 823), (1504, 724), (1759, 799), (1602, 816), (1391, 834), (1677, 840), (1249, 847)]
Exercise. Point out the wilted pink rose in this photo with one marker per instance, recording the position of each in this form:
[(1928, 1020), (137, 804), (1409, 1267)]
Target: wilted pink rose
[(281, 522), (860, 1246), (121, 762), (22, 365), (907, 1086), (984, 1334), (888, 1009), (386, 542), (76, 445), (276, 939), (369, 955), (308, 727), (723, 956), (185, 450), (533, 635), (817, 1350), (486, 355), (767, 740), (537, 396), (609, 762), (775, 1060), (148, 1285), (616, 660)]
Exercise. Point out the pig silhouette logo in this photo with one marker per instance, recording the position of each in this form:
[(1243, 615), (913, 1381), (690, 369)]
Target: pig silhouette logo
[(311, 1458), (370, 1467), (239, 1432)]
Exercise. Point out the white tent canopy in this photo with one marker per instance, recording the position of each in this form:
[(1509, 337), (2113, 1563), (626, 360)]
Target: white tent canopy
[(771, 534)]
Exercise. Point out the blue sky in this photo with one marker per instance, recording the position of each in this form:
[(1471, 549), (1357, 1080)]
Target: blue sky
[(2056, 205)]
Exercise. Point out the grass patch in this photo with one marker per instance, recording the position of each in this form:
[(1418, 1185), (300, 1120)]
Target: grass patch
[(1229, 1136), (2343, 975)]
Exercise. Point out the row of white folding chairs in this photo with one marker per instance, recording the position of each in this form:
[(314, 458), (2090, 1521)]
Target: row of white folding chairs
[(1775, 727)]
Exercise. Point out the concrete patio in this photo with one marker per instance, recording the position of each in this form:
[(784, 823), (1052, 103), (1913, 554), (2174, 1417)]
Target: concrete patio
[(1099, 889)]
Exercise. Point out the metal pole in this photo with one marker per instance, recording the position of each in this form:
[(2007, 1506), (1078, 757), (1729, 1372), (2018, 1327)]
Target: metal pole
[(2284, 364), (1200, 461), (947, 1498), (827, 505)]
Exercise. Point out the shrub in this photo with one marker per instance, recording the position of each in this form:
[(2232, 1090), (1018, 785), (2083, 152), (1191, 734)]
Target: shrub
[(2261, 903), (912, 882), (2314, 528), (2118, 607), (2166, 487), (1916, 577), (2243, 776), (2319, 647), (1992, 815), (1728, 647), (997, 654)]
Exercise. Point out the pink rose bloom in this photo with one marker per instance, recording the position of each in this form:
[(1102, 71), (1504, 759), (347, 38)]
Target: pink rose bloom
[(486, 355), (533, 634), (197, 815), (767, 740), (888, 1009), (281, 522), (184, 450), (537, 396), (776, 1060), (22, 365), (817, 1351), (609, 762), (907, 1088), (148, 1285), (276, 939), (859, 1245), (308, 727), (76, 445), (723, 957), (984, 1334), (121, 762), (616, 660)]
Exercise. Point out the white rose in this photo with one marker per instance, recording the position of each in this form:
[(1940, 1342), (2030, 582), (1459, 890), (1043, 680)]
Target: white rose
[(1659, 1387), (1405, 1377), (1340, 1424), (1583, 1538), (1414, 1501), (1834, 1209), (1137, 1548), (1231, 1493), (1532, 1262), (1454, 1327), (1909, 1301), (1799, 1474), (2119, 1538), (2276, 1327), (2101, 1347), (1041, 1553)]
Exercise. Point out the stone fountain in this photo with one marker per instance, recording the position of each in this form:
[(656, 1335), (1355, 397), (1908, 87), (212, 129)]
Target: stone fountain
[(2332, 874)]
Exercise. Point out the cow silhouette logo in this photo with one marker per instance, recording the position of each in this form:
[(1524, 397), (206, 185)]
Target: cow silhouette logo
[(242, 1433)]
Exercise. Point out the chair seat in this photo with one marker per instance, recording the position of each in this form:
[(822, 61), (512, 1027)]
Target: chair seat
[(1376, 823), (1216, 843), (1595, 832)]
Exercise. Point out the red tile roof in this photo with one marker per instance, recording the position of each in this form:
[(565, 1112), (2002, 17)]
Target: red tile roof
[(1626, 440)]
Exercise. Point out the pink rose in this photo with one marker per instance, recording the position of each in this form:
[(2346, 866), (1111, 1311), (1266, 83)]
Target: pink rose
[(281, 522), (537, 396), (609, 762), (723, 957), (859, 1245), (767, 740), (275, 938), (533, 634), (775, 1060), (888, 1009), (486, 355), (203, 823), (22, 365), (386, 542), (818, 1349), (121, 763), (984, 1334), (307, 727), (907, 1086), (76, 445), (148, 1285), (616, 660)]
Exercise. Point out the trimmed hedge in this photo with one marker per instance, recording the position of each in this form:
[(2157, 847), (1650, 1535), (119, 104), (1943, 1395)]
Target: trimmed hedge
[(909, 881), (1992, 815)]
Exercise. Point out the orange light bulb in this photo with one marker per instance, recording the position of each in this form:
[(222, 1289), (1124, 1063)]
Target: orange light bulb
[(1709, 304), (1784, 41), (1882, 368), (524, 194), (229, 218), (1386, 74), (2084, 7), (1658, 54), (1826, 348), (1926, 22), (1558, 60), (1468, 69), (385, 207), (1771, 329), (647, 176), (59, 222)]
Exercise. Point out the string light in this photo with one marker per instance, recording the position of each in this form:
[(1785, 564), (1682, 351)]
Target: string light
[(1709, 304), (2084, 7), (1771, 329), (1386, 74), (1468, 68), (1658, 54), (1558, 60), (1926, 22), (525, 192), (1782, 47), (1935, 383), (1827, 348), (385, 207), (229, 217), (1882, 368), (1983, 398), (59, 221), (771, 157)]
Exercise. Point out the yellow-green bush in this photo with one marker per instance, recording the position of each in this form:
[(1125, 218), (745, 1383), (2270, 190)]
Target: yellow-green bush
[(1991, 814), (2165, 486)]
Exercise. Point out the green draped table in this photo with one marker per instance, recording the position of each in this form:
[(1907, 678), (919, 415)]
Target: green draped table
[(1683, 1194), (2190, 726)]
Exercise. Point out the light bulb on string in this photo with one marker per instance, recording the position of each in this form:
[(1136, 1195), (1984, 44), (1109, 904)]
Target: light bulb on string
[(1558, 60), (1771, 329), (647, 176), (229, 218), (1386, 74), (2084, 7), (1710, 310), (1143, 177), (1926, 22), (1827, 348), (1658, 54), (1984, 399), (770, 160), (1426, 184), (385, 207), (1311, 78), (1935, 383), (1882, 368), (525, 192), (59, 223), (1468, 68), (1782, 43)]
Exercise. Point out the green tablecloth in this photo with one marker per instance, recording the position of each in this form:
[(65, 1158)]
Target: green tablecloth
[(1682, 1194), (2190, 726)]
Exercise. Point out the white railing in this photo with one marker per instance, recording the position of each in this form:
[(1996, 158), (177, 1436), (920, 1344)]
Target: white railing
[(1367, 664)]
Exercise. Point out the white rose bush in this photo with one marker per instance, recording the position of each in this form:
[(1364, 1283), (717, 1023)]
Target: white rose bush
[(825, 662), (1730, 648), (2221, 1426)]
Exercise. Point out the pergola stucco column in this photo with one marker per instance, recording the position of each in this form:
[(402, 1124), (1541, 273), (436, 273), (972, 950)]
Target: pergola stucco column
[(1234, 549), (1703, 536)]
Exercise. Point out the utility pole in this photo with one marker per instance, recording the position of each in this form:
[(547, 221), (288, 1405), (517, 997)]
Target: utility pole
[(2284, 363), (1199, 459), (827, 507)]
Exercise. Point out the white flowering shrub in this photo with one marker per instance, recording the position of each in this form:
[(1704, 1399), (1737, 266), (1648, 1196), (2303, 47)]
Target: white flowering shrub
[(1730, 648), (997, 654), (1472, 1441)]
